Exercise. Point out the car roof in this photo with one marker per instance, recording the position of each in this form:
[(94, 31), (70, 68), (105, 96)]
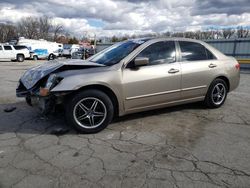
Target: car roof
[(148, 39), (216, 52)]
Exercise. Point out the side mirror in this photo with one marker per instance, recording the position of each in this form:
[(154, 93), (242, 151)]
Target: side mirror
[(140, 61)]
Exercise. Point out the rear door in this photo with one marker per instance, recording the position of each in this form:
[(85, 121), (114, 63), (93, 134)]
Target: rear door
[(156, 83), (199, 67)]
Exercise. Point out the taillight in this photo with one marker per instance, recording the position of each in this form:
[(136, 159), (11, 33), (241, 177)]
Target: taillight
[(237, 66)]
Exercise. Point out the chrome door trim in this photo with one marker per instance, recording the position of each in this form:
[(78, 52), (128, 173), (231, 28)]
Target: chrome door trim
[(165, 92), (153, 94), (192, 88)]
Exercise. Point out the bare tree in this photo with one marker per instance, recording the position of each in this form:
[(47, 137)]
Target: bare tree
[(57, 29), (39, 28), (178, 34), (207, 35), (44, 27), (28, 28), (227, 33), (242, 33), (8, 32)]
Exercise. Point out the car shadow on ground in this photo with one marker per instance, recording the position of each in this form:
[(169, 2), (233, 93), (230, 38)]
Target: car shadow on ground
[(193, 106), (28, 120)]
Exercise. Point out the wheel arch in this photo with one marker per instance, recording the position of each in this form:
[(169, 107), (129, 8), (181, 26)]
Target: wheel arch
[(108, 91), (20, 54), (224, 78)]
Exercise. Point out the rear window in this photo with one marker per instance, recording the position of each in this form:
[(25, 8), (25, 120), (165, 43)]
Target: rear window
[(191, 51), (20, 47), (7, 47)]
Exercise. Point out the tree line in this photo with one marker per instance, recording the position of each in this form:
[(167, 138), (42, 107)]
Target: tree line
[(31, 28), (229, 33), (44, 28)]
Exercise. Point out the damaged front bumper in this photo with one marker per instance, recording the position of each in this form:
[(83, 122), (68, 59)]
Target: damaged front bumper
[(45, 102), (41, 97)]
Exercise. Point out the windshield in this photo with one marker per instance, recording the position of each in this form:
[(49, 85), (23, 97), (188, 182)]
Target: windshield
[(116, 52)]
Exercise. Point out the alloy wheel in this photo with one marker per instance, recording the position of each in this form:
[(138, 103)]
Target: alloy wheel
[(90, 112), (218, 93)]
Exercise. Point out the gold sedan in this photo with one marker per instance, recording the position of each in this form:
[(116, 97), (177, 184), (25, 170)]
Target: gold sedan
[(131, 76)]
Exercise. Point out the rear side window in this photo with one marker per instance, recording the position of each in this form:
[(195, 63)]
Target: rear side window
[(1, 48), (209, 54), (191, 51), (160, 52), (7, 48), (20, 47)]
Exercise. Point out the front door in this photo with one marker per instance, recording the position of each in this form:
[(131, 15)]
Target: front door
[(155, 84)]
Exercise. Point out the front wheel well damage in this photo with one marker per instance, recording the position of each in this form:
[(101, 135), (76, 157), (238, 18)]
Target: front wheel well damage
[(102, 88)]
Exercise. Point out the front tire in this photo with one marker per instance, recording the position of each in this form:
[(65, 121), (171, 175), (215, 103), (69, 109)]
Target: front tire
[(89, 111), (216, 94), (51, 57)]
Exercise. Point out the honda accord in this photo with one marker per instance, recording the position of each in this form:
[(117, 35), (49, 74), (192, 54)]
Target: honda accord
[(131, 76)]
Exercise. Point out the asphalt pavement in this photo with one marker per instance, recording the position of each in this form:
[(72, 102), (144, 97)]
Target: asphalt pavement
[(183, 146)]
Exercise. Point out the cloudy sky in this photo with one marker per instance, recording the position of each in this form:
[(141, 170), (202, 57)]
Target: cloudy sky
[(109, 17)]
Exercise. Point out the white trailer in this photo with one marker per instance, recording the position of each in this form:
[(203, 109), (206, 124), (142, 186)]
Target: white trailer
[(42, 49)]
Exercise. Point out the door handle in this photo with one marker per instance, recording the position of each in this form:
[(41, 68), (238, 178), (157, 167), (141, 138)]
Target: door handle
[(172, 71), (212, 65)]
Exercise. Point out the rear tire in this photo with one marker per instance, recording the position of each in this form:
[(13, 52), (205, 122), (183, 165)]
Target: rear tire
[(216, 94), (35, 58), (89, 111), (20, 57)]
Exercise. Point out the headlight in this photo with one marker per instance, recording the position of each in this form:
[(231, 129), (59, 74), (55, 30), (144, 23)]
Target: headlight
[(51, 81)]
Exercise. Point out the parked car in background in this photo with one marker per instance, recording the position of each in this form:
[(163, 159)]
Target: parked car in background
[(83, 53), (69, 49), (42, 49), (131, 76), (16, 53), (39, 54), (66, 50)]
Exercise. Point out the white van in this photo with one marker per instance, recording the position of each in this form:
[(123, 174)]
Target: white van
[(42, 49)]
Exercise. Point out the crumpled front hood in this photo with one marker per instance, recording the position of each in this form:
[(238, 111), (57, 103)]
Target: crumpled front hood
[(33, 75)]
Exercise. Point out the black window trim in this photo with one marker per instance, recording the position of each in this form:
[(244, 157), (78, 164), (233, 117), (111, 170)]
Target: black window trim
[(180, 56), (20, 47), (7, 46)]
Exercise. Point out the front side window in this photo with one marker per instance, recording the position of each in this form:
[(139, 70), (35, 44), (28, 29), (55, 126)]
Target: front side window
[(7, 47), (160, 52), (191, 51)]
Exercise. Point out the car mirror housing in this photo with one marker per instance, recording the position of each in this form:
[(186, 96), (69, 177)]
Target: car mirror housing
[(141, 61)]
